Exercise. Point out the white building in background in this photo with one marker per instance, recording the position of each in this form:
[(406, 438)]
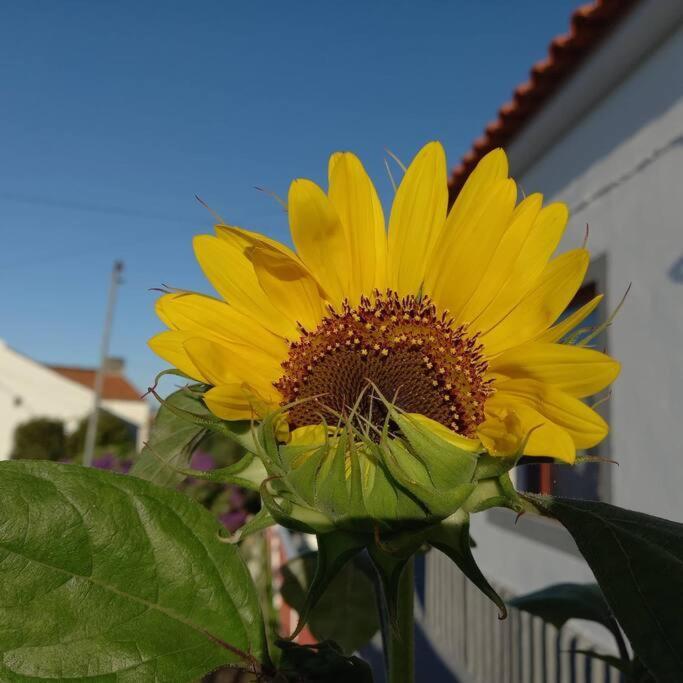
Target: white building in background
[(29, 389), (601, 130)]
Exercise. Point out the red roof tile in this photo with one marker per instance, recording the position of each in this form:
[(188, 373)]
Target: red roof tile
[(590, 24), (115, 386)]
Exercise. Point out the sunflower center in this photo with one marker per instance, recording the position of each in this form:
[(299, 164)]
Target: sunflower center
[(412, 354)]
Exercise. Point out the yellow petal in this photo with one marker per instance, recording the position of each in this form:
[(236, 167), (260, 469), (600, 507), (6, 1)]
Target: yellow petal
[(576, 370), (544, 437), (309, 435), (230, 363), (356, 202), (492, 168), (169, 346), (417, 217), (501, 433), (551, 294), (248, 238), (446, 434), (557, 332), (232, 274), (583, 424), (466, 247), (319, 238), (288, 285), (526, 264), (236, 401), (471, 201), (218, 321), (501, 265)]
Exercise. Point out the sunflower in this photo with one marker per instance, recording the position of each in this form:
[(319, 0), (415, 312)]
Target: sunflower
[(450, 314)]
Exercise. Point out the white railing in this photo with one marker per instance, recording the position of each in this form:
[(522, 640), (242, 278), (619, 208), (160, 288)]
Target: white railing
[(462, 628)]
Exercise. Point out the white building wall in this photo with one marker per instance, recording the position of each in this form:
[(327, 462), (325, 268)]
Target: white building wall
[(620, 170), (29, 389)]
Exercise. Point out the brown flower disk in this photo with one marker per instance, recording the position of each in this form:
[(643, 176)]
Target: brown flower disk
[(413, 355)]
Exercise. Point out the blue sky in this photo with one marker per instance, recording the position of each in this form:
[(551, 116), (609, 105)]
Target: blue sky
[(115, 114)]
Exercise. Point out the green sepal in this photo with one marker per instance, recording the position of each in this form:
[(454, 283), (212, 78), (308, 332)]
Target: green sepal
[(335, 549), (493, 466), (290, 512), (267, 447), (302, 464), (494, 492), (242, 432), (248, 472), (452, 538), (330, 486), (436, 462), (171, 442), (438, 493), (260, 521), (388, 503)]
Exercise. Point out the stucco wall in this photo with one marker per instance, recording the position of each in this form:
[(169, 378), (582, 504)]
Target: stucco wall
[(620, 169)]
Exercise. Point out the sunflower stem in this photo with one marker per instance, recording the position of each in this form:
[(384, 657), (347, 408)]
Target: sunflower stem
[(400, 639)]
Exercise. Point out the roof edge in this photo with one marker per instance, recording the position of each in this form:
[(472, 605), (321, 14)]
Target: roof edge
[(590, 25)]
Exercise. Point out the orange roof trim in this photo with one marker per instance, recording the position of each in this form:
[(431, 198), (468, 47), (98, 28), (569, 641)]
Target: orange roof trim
[(115, 386), (590, 24)]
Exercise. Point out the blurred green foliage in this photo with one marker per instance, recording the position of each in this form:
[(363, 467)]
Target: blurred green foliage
[(40, 438)]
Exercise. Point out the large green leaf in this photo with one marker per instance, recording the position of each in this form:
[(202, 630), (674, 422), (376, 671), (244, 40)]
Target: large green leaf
[(347, 611), (110, 578), (638, 562)]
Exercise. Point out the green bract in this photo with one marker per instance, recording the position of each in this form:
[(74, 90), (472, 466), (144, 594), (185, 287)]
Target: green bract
[(389, 492)]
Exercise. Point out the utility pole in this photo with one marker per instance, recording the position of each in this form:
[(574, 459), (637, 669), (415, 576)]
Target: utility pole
[(91, 433)]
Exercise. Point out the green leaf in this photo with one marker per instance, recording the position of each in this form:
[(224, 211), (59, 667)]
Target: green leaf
[(172, 441), (638, 561), (452, 538), (107, 577), (346, 613), (559, 603)]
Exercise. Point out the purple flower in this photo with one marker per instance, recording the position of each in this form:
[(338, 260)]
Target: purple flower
[(202, 461), (233, 519), (237, 499), (109, 461)]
